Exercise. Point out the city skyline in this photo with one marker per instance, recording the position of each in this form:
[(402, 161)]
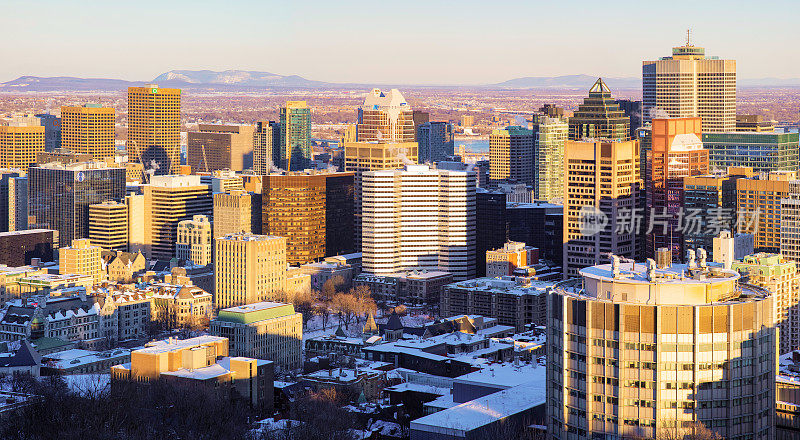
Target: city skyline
[(465, 48)]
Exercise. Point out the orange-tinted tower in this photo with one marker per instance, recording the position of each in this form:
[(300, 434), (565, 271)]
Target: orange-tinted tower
[(677, 152)]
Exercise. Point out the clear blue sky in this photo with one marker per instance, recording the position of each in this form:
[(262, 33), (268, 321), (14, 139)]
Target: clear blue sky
[(393, 41)]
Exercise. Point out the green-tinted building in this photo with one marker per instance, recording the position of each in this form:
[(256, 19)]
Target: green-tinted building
[(762, 151), (295, 146), (548, 158), (599, 117), (263, 330)]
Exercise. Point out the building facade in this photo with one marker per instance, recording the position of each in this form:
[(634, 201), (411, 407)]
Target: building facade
[(295, 137), (758, 208), (83, 259), (511, 154), (220, 147), (154, 126), (763, 152), (385, 117), (266, 146), (660, 352), (601, 180), (599, 117), (195, 242), (88, 129), (59, 195), (20, 140), (548, 158), (264, 330), (689, 84), (248, 269), (108, 225), (436, 141), (441, 206)]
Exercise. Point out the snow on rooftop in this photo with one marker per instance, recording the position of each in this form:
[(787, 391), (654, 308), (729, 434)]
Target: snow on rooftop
[(506, 375), (476, 413)]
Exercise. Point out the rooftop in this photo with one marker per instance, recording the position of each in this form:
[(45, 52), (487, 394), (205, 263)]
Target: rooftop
[(169, 345), (255, 312)]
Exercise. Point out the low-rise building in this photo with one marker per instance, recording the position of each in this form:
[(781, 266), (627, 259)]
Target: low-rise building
[(123, 267), (180, 305), (204, 361), (77, 361), (512, 255), (325, 270), (514, 301), (415, 287), (265, 330)]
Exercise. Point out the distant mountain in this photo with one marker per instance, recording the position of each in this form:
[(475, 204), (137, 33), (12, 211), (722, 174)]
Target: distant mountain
[(567, 82), (240, 78), (58, 83), (246, 80)]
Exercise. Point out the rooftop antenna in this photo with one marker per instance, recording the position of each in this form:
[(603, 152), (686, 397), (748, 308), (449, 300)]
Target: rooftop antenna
[(688, 36)]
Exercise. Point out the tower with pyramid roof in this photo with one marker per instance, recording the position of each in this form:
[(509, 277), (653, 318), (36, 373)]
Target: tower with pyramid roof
[(599, 117)]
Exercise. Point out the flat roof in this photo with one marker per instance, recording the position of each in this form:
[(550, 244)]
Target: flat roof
[(474, 414), (255, 312), (168, 345)]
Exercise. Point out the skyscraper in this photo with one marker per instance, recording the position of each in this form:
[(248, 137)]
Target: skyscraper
[(21, 138), (313, 210), (647, 351), (419, 218), (676, 153), (385, 117), (220, 147), (599, 117), (52, 130), (369, 156), (602, 180), (548, 158), (436, 141), (88, 129), (511, 154), (167, 201), (295, 137), (249, 269), (689, 84), (59, 195), (154, 125), (266, 146)]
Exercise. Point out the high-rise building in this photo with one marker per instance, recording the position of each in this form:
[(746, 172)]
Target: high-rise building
[(368, 156), (781, 278), (220, 147), (633, 110), (81, 258), (295, 136), (764, 152), (249, 269), (235, 212), (194, 240), (789, 222), (433, 228), (436, 141), (758, 208), (676, 153), (511, 153), (21, 138), (646, 351), (313, 210), (548, 158), (167, 201), (108, 225), (491, 225), (687, 85), (713, 198), (599, 117), (52, 130), (264, 330), (385, 117), (6, 176), (154, 125), (602, 180), (729, 247), (59, 195), (18, 203), (266, 146), (18, 248), (88, 129)]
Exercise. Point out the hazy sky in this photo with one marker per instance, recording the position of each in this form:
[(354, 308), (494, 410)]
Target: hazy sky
[(392, 41)]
